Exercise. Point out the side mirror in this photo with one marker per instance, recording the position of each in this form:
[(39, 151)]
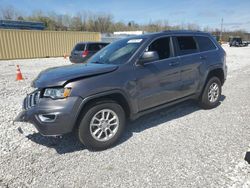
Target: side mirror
[(148, 57)]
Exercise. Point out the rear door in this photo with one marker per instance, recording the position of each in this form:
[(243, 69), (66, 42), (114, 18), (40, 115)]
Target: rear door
[(190, 62), (158, 82), (208, 51)]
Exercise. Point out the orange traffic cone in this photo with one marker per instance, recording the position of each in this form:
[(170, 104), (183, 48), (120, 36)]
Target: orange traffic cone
[(19, 75), (65, 56)]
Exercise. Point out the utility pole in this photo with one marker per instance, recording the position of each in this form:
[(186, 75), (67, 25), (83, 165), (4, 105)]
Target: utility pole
[(221, 30)]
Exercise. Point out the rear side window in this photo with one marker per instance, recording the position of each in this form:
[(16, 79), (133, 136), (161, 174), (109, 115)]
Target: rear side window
[(80, 47), (186, 45), (205, 43), (103, 45), (95, 47)]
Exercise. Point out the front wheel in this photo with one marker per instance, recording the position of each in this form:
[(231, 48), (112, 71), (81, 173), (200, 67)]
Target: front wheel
[(102, 125), (210, 97)]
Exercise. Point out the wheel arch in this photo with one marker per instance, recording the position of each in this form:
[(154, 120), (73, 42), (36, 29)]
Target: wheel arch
[(218, 72), (215, 71), (114, 95)]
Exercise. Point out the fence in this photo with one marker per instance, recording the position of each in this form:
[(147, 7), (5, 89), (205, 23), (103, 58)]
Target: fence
[(17, 44)]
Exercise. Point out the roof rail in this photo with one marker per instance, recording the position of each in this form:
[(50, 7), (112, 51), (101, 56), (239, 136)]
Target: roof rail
[(181, 31)]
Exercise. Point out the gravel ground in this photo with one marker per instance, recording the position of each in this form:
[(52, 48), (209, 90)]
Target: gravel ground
[(182, 146)]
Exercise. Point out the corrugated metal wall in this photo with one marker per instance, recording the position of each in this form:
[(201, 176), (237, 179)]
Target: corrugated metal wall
[(16, 44)]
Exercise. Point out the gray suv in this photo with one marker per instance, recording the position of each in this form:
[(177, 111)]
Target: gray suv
[(125, 80), (84, 50)]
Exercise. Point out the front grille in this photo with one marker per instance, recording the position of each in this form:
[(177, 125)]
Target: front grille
[(31, 100)]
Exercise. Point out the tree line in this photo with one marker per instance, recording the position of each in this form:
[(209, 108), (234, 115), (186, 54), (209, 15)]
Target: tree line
[(104, 23), (88, 21)]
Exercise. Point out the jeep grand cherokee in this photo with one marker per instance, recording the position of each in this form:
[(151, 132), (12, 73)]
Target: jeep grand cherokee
[(126, 79)]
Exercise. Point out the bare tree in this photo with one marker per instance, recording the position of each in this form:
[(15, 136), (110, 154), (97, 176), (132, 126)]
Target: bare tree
[(76, 23), (100, 22), (192, 26), (104, 21), (9, 13)]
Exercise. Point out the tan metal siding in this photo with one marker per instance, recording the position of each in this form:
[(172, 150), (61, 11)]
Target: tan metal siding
[(19, 44)]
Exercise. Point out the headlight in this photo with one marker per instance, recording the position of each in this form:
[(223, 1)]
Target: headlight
[(57, 93)]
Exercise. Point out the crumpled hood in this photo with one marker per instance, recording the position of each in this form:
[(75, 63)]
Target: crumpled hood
[(58, 76)]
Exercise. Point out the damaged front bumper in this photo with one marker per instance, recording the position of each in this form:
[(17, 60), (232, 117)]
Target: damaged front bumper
[(51, 117)]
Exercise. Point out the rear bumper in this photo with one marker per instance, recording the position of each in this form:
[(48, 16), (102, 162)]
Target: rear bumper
[(78, 59), (52, 117)]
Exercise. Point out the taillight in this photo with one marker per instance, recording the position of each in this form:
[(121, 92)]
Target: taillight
[(85, 53)]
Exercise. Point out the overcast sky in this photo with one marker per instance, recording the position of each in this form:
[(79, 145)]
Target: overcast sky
[(236, 13)]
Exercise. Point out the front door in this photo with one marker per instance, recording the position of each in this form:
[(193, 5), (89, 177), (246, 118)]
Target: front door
[(158, 82)]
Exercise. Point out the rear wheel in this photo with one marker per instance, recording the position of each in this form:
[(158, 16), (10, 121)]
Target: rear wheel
[(101, 125), (211, 95)]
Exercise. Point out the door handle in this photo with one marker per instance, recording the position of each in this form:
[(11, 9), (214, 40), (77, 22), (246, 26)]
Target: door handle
[(203, 57), (174, 63)]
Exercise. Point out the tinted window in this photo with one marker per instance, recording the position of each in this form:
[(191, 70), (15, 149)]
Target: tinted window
[(94, 47), (80, 47), (186, 45), (103, 45), (205, 44), (161, 46)]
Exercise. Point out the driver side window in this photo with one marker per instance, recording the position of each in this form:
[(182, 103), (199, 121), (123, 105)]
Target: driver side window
[(162, 47)]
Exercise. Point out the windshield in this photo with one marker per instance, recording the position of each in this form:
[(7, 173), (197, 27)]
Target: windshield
[(117, 52)]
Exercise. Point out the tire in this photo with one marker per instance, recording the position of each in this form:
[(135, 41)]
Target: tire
[(210, 98), (109, 133)]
